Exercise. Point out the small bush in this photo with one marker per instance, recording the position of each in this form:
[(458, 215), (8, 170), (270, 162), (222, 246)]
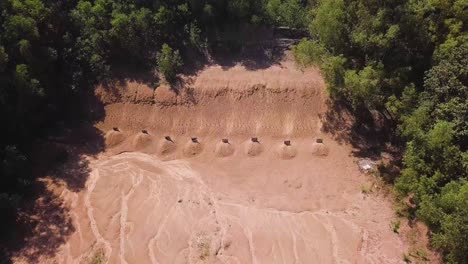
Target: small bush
[(422, 253), (366, 189), (204, 248), (99, 257), (396, 226), (406, 258), (402, 210), (169, 62)]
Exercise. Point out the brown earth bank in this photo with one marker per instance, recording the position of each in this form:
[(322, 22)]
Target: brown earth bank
[(183, 179)]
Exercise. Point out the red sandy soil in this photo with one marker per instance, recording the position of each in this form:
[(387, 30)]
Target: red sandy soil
[(148, 200)]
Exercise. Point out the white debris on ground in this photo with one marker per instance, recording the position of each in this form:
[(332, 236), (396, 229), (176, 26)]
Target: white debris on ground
[(366, 165)]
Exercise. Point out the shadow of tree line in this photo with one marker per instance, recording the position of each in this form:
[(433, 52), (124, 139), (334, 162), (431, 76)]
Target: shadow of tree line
[(370, 135), (43, 222)]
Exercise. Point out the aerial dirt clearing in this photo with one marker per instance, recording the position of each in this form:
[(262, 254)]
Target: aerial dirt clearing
[(232, 166)]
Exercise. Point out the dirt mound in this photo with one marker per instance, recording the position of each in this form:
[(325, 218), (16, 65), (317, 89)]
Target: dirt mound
[(192, 148), (114, 138), (253, 149), (286, 151), (224, 149), (141, 141), (166, 147), (320, 149)]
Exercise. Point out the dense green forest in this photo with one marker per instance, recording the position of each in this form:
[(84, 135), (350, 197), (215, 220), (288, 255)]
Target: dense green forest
[(406, 59)]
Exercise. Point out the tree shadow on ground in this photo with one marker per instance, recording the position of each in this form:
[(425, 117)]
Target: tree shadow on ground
[(43, 226), (251, 46), (43, 220), (255, 57), (123, 73), (370, 138)]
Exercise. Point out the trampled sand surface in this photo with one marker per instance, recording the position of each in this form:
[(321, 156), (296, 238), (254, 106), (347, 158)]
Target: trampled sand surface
[(149, 199)]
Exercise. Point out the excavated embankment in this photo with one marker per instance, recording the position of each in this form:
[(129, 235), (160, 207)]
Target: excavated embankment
[(272, 102)]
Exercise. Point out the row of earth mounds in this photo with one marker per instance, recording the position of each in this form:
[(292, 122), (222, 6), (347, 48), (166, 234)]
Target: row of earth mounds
[(223, 148)]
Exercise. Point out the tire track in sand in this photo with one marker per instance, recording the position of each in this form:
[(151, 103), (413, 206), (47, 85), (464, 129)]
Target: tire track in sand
[(136, 179), (94, 228)]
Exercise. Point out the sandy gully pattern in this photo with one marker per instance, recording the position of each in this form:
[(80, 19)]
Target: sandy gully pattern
[(143, 210)]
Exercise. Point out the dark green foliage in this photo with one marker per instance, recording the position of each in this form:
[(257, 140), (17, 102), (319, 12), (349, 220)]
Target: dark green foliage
[(3, 59), (328, 23), (447, 214), (447, 89), (334, 72), (363, 86), (290, 13), (309, 52)]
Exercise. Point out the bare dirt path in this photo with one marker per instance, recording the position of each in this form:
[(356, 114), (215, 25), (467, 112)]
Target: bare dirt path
[(149, 199)]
